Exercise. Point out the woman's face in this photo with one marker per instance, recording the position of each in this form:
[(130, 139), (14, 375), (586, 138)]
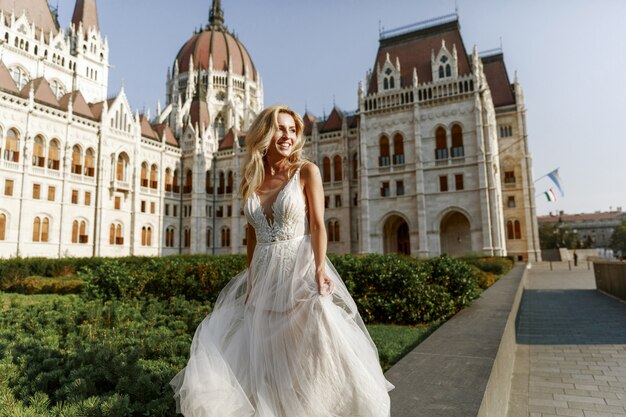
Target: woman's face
[(284, 138)]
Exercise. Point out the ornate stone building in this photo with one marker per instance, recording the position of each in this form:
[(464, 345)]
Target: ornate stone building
[(434, 160)]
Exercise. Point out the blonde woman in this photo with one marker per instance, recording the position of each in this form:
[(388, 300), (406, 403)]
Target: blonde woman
[(285, 338)]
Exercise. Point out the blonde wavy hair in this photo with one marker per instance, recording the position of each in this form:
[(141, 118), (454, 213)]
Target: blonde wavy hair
[(258, 140)]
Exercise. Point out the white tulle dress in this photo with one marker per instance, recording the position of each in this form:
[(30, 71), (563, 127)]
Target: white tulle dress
[(288, 351)]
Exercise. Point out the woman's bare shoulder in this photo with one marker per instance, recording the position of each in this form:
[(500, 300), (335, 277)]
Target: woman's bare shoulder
[(309, 171)]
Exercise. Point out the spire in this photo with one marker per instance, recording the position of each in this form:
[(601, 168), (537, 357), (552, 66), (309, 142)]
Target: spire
[(85, 12), (216, 16)]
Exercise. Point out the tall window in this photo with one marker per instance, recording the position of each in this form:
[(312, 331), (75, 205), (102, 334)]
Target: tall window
[(513, 229), (458, 182), (355, 166), (187, 237), (225, 237), (175, 182), (116, 236), (41, 227), (77, 167), (3, 226), (509, 230), (509, 177), (441, 147), (168, 179), (326, 169), (511, 202), (54, 155), (399, 187), (222, 181), (208, 182), (169, 237), (11, 149), (144, 174), (443, 183), (338, 168), (384, 189), (333, 231), (518, 229), (121, 167), (146, 236), (89, 163), (82, 232), (229, 184), (457, 150), (36, 191), (39, 159), (154, 183), (209, 237), (188, 181), (398, 149), (384, 159)]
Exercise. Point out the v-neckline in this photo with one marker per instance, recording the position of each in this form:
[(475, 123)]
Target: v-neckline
[(271, 206)]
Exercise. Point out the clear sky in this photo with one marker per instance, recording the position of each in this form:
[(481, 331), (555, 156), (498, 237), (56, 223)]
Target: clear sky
[(568, 54)]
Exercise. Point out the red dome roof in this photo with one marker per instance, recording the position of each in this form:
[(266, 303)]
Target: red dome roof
[(221, 45)]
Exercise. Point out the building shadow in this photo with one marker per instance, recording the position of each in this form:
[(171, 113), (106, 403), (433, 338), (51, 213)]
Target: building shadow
[(562, 317)]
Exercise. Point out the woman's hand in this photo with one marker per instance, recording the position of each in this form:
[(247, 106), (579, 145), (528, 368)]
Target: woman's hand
[(325, 285)]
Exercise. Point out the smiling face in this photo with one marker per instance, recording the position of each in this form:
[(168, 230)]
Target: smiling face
[(284, 138)]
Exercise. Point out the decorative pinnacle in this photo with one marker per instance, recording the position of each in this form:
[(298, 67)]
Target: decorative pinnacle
[(216, 16)]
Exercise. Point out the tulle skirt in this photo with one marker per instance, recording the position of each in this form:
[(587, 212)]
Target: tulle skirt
[(287, 352)]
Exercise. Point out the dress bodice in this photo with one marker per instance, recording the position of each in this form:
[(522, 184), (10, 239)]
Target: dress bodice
[(288, 212)]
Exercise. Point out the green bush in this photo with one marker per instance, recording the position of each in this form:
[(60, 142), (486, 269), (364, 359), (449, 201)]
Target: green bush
[(45, 285)]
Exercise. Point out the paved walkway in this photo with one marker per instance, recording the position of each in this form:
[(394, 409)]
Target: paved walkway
[(571, 347)]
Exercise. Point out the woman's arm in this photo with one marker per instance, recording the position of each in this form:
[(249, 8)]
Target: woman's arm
[(314, 192), (250, 246)]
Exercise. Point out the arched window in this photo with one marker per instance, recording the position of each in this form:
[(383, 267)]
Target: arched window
[(119, 237), (457, 150), (168, 180), (45, 229), (11, 149), (75, 231), (175, 181), (385, 84), (355, 166), (82, 235), (143, 236), (326, 169), (188, 181), (441, 146), (229, 184), (121, 167), (219, 127), (518, 230), (37, 229), (209, 237), (392, 82), (154, 183), (208, 182), (225, 235), (89, 162), (187, 237), (39, 159), (57, 89), (337, 235), (77, 166), (169, 237), (20, 76), (384, 158), (54, 154), (220, 187), (441, 72), (144, 174), (338, 168), (41, 228), (146, 236), (448, 71), (3, 226), (398, 149), (112, 234), (509, 230)]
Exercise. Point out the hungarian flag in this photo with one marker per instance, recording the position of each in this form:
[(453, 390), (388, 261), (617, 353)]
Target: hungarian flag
[(550, 195)]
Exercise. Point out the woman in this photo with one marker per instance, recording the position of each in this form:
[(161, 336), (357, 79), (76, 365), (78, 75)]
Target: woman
[(285, 338)]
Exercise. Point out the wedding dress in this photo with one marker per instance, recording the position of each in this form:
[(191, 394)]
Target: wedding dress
[(288, 351)]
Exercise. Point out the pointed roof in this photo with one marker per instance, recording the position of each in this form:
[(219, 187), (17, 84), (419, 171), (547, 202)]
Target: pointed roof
[(42, 91), (36, 11), (414, 49), (146, 130), (229, 140), (216, 15), (308, 120), (333, 122), (86, 12), (165, 131), (6, 81), (96, 109), (498, 80), (79, 105)]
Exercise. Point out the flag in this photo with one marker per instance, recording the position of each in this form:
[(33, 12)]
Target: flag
[(554, 176), (550, 195)]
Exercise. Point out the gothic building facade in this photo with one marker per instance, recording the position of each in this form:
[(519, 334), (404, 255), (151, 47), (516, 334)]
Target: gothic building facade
[(434, 160)]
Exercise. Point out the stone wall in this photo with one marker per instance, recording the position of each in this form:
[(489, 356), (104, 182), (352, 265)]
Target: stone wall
[(611, 278)]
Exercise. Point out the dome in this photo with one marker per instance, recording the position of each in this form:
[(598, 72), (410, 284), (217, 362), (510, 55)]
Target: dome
[(217, 42)]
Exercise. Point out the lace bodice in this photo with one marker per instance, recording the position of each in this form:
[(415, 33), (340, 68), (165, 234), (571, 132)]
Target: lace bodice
[(288, 212)]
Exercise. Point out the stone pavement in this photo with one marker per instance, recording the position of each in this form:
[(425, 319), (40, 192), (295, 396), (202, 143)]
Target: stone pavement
[(571, 347)]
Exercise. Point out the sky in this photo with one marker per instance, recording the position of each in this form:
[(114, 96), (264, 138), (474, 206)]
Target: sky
[(568, 55)]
